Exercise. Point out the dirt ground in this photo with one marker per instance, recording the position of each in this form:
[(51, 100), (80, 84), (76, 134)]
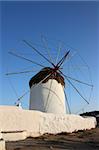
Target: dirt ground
[(82, 140)]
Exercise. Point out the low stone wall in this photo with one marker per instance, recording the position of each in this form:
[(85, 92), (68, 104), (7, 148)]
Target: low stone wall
[(2, 145), (18, 124)]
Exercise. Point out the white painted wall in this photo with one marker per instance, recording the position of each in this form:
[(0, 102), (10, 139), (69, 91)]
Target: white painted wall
[(14, 120), (48, 97)]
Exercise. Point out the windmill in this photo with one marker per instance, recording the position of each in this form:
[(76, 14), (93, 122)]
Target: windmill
[(47, 87)]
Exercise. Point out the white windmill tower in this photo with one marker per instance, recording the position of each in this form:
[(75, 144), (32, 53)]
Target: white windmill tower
[(47, 88), (48, 95), (47, 92)]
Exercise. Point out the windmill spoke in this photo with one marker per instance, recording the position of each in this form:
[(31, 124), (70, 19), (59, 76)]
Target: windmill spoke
[(79, 81), (17, 102), (59, 49), (12, 73), (23, 95), (46, 105), (75, 89), (78, 67), (13, 87), (69, 58), (46, 47), (76, 80), (19, 56), (38, 52), (67, 103), (63, 59)]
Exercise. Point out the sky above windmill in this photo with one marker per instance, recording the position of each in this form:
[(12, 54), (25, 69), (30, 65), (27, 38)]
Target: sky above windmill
[(75, 23)]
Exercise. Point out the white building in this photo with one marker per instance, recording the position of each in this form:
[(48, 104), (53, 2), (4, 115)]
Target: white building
[(47, 92)]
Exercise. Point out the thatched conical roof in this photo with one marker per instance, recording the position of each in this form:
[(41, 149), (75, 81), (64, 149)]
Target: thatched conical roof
[(43, 74)]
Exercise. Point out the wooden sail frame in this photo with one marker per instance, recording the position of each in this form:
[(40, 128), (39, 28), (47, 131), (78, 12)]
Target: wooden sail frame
[(55, 70)]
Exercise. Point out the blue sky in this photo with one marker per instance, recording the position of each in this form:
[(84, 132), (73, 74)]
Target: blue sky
[(75, 23)]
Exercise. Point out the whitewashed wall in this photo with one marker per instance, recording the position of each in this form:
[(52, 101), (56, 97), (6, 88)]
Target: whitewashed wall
[(48, 97), (17, 124)]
